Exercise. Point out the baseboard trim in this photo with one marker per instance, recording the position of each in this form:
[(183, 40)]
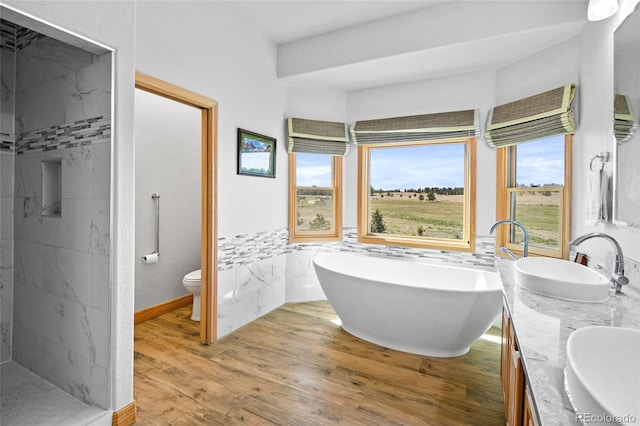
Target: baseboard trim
[(126, 416), (162, 308)]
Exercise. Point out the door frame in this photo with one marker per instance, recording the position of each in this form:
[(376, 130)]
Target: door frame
[(209, 263)]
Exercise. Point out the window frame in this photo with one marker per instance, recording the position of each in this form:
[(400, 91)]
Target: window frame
[(302, 236), (466, 244), (505, 155)]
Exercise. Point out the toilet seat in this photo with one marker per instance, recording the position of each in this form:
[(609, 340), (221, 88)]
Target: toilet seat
[(193, 277)]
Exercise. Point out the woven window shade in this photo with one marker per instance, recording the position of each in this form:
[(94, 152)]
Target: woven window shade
[(624, 124), (536, 117), (317, 137), (416, 128)]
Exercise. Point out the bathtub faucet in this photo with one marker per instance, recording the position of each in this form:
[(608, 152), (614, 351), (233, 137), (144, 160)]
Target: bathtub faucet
[(617, 277), (525, 242)]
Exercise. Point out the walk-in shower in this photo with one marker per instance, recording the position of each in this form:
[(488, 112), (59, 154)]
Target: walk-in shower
[(55, 201)]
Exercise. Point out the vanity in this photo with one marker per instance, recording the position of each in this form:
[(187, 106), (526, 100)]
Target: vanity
[(534, 346)]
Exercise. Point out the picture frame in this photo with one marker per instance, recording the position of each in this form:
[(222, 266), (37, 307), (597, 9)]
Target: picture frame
[(256, 154)]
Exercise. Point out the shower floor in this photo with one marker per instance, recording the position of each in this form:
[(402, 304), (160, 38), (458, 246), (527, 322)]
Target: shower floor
[(28, 399)]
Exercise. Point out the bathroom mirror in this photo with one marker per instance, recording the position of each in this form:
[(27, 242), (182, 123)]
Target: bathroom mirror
[(626, 169)]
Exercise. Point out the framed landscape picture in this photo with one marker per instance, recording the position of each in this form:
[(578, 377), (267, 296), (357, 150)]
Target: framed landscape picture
[(256, 154)]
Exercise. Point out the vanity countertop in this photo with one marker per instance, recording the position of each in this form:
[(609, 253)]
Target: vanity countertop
[(543, 324)]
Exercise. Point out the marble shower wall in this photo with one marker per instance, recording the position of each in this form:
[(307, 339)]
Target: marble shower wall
[(61, 280), (7, 142), (6, 254)]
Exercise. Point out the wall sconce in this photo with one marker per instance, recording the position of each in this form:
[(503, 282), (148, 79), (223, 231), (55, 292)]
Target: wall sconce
[(601, 9)]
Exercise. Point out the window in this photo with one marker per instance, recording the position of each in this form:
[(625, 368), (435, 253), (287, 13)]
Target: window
[(315, 197), (534, 188), (418, 194)]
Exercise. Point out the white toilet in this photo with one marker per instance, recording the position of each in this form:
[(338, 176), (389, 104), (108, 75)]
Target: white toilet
[(191, 282)]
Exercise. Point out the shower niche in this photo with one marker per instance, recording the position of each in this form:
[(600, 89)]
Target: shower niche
[(55, 203), (51, 188)]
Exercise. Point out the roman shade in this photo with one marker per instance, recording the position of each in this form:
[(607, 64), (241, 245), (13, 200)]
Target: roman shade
[(536, 117), (624, 124), (317, 137), (416, 128)]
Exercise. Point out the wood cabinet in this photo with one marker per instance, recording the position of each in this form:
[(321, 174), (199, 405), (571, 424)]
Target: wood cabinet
[(528, 418), (518, 407)]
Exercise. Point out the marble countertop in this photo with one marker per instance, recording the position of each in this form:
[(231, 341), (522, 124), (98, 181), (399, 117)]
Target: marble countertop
[(543, 325)]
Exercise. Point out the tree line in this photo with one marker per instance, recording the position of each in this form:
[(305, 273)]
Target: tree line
[(426, 190)]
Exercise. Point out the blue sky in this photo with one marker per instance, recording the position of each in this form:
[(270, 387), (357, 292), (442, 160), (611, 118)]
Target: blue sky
[(540, 162), (418, 166)]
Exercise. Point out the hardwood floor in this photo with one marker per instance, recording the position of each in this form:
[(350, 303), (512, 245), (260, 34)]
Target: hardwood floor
[(295, 366)]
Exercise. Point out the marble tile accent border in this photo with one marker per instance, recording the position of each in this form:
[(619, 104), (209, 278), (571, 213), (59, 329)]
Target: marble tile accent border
[(69, 135), (243, 249)]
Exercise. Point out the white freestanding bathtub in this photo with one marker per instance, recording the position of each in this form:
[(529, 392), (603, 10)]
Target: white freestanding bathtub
[(413, 307)]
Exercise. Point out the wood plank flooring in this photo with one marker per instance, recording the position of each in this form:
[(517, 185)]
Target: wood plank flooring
[(295, 366)]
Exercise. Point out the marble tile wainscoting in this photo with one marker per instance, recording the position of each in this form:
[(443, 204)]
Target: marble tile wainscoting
[(251, 277), (259, 272), (303, 285)]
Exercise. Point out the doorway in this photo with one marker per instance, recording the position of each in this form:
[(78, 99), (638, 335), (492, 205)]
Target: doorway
[(208, 244)]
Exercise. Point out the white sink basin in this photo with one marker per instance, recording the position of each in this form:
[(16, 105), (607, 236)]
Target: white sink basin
[(602, 375), (561, 279)]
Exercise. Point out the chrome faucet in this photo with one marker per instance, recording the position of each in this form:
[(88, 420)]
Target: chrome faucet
[(525, 242), (617, 277)]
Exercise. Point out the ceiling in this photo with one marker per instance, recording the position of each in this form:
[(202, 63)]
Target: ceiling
[(361, 44)]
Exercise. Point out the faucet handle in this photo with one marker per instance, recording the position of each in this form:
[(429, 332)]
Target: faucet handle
[(620, 279)]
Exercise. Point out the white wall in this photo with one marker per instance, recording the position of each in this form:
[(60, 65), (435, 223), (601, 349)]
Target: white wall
[(542, 71), (473, 91), (168, 141), (202, 47), (596, 105), (587, 61), (111, 23)]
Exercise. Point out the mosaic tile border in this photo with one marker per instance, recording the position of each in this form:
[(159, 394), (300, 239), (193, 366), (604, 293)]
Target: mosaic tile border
[(7, 142), (248, 248), (7, 35), (14, 37), (64, 136), (243, 249)]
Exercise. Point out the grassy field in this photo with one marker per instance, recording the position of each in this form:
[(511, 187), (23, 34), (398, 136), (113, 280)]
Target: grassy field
[(309, 207), (403, 214), (442, 218)]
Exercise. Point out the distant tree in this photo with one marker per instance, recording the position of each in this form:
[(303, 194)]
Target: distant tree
[(320, 222), (377, 223), (421, 197), (431, 196)]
